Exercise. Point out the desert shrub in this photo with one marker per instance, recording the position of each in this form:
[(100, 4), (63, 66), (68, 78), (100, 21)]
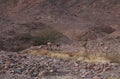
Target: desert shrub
[(114, 57), (45, 35), (112, 78)]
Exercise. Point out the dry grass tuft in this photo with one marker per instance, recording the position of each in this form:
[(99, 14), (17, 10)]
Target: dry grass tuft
[(59, 55), (112, 78), (114, 57), (36, 52), (74, 56)]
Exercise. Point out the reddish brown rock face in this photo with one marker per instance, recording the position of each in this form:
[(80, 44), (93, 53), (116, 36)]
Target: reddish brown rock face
[(73, 18)]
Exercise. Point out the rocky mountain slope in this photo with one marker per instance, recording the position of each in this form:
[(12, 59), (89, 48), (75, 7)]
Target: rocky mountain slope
[(24, 66), (85, 36), (78, 20)]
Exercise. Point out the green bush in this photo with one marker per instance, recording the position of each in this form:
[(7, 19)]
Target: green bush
[(45, 35)]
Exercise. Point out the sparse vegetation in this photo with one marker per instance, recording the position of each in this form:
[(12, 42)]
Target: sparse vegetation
[(45, 35), (60, 39), (73, 56), (112, 78), (114, 57)]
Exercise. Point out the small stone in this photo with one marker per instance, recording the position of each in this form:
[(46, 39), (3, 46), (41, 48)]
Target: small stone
[(42, 73), (11, 71), (106, 69), (24, 56), (2, 72), (83, 76), (18, 71), (89, 74), (96, 77), (76, 65), (10, 56), (51, 71), (34, 74)]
